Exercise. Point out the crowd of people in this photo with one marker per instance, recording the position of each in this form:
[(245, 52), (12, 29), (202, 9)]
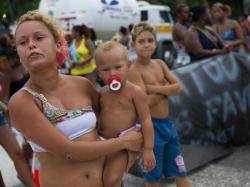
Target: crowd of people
[(201, 32), (75, 123)]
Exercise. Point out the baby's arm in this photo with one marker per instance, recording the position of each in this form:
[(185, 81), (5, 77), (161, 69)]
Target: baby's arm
[(147, 128), (173, 86)]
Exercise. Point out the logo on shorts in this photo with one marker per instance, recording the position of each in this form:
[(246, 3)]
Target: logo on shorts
[(180, 163)]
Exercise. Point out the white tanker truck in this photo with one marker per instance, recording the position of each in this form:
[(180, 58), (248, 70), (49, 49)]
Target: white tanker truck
[(107, 16)]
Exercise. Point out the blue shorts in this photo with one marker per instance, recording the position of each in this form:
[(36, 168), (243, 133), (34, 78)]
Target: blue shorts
[(3, 120), (169, 162)]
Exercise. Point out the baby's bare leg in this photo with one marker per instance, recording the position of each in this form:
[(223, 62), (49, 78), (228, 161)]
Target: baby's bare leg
[(115, 166)]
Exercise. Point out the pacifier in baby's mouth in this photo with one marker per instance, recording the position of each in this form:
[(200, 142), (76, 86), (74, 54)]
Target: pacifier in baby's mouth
[(114, 82)]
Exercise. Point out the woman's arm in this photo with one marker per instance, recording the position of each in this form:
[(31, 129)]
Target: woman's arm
[(239, 33), (30, 121), (173, 86), (193, 45)]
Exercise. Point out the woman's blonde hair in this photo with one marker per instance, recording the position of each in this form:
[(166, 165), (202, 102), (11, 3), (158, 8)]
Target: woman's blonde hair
[(49, 22), (139, 28)]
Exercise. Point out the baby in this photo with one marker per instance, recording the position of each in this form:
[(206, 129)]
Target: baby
[(121, 103)]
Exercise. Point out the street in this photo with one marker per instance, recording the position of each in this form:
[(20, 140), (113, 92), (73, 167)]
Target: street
[(232, 171)]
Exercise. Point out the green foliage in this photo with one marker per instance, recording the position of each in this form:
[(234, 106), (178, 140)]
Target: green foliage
[(15, 8)]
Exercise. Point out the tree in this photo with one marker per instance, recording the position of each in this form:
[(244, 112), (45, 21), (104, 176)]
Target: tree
[(14, 8)]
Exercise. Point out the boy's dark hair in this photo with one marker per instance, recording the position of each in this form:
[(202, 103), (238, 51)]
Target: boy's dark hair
[(198, 11), (69, 38), (179, 7), (130, 27), (123, 30), (8, 52), (83, 30)]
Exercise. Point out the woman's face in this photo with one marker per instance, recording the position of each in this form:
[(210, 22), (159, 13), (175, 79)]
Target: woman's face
[(35, 45), (218, 13)]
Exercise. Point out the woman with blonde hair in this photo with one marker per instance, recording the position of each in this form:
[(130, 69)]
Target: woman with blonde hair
[(58, 113)]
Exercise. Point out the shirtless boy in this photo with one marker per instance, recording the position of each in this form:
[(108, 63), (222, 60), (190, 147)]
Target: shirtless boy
[(154, 77), (120, 109)]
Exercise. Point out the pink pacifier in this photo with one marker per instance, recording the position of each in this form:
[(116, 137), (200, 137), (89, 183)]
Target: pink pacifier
[(114, 82)]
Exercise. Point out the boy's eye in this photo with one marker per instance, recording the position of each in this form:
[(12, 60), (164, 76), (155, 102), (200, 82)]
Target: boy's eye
[(151, 40), (141, 41)]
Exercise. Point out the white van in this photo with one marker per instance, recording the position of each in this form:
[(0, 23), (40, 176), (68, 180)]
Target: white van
[(107, 16)]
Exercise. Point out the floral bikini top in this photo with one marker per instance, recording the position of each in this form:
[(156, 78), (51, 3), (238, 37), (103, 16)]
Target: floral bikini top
[(72, 123)]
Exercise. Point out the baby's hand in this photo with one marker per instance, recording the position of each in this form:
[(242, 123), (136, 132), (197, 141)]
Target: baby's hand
[(148, 160)]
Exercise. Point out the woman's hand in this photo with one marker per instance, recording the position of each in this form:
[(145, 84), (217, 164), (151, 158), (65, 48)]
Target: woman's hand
[(133, 140)]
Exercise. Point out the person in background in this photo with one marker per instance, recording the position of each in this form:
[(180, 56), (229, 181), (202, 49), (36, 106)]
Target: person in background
[(60, 113), (85, 50), (7, 138), (124, 38), (72, 59), (245, 25), (201, 41), (179, 33), (229, 30), (131, 50)]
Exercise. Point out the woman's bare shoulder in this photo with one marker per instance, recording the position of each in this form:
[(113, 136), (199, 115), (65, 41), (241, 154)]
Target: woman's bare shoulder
[(21, 101), (77, 80)]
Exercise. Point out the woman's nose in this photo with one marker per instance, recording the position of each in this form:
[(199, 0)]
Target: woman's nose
[(32, 44)]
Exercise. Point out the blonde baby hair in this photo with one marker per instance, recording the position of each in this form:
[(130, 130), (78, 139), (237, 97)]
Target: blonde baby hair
[(108, 46)]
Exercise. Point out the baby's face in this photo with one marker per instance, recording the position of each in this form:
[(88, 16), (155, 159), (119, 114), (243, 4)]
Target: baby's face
[(112, 62)]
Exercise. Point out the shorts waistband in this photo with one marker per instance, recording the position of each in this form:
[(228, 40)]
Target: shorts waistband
[(160, 120)]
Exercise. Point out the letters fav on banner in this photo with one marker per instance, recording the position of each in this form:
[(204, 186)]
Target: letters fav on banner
[(215, 106)]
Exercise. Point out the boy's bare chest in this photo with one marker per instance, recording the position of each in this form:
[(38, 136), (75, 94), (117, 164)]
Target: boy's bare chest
[(152, 75)]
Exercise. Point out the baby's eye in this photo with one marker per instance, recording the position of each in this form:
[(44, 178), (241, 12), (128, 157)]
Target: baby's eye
[(105, 70), (118, 67)]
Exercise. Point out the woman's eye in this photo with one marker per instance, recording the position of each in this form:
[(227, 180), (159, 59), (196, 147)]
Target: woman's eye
[(23, 42), (39, 38)]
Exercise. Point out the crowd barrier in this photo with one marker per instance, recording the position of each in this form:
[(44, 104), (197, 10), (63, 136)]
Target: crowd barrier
[(215, 106)]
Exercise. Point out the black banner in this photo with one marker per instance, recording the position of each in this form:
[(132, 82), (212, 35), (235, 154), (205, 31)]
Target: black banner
[(215, 107)]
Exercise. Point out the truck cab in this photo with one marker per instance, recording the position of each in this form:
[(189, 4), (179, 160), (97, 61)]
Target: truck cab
[(160, 18)]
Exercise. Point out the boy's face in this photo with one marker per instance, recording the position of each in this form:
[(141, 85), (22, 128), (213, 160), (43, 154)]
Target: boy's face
[(112, 62), (145, 44)]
